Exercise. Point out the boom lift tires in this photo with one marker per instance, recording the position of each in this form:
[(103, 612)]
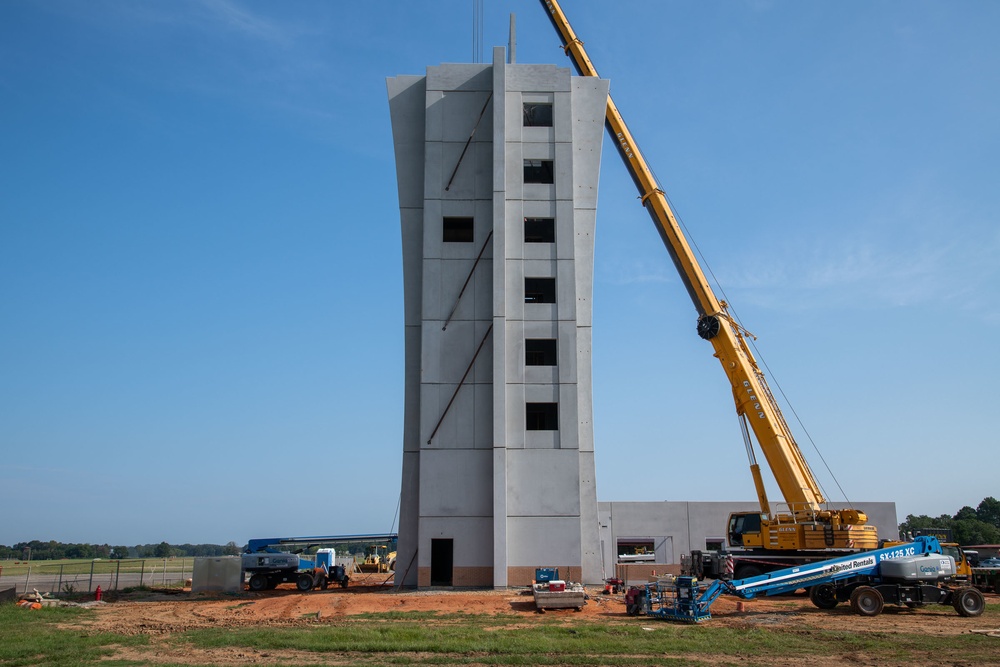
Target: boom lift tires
[(304, 582), (866, 601), (258, 582), (823, 596), (969, 602)]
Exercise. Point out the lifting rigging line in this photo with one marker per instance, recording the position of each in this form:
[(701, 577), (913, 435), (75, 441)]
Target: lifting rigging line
[(751, 339)]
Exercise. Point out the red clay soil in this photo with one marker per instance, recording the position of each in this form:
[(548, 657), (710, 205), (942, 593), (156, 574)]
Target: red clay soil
[(288, 607)]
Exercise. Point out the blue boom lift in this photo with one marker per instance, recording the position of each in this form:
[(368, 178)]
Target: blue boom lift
[(268, 564), (910, 574)]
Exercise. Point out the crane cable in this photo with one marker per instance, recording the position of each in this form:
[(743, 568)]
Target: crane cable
[(752, 339)]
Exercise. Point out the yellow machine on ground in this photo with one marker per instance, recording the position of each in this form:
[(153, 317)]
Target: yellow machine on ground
[(804, 522), (377, 560)]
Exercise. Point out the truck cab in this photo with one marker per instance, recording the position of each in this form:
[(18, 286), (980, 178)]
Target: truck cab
[(744, 530)]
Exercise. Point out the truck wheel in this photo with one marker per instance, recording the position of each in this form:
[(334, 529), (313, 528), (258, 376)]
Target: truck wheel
[(258, 582), (968, 602), (304, 582), (344, 582), (823, 596), (866, 601)]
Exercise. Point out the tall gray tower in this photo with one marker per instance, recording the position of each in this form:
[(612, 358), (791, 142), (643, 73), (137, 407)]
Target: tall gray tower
[(497, 168)]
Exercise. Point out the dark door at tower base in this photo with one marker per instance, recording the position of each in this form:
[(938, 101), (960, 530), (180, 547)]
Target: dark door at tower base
[(442, 559)]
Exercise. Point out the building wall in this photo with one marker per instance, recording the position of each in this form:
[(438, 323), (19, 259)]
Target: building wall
[(510, 498), (677, 527)]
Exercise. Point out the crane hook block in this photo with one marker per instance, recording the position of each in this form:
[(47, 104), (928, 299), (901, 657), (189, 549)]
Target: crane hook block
[(708, 326)]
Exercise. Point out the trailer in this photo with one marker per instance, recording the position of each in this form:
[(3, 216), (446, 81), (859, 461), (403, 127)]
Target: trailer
[(910, 575), (986, 578), (551, 592)]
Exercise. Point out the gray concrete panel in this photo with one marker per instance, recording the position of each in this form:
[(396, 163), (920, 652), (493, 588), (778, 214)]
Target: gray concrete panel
[(466, 424), (543, 541), (540, 440), (409, 516), (546, 375), (411, 397), (411, 227), (565, 229), (585, 399), (538, 135), (546, 151), (689, 524), (513, 291), (451, 483), (569, 356), (566, 300), (434, 166), (538, 78), (487, 415), (443, 295), (460, 77), (514, 171), (543, 483), (563, 115), (514, 370), (564, 186), (500, 516), (473, 539), (539, 191), (514, 422), (434, 115), (462, 117), (569, 417), (539, 311), (590, 99), (540, 251), (448, 353), (589, 524), (406, 110)]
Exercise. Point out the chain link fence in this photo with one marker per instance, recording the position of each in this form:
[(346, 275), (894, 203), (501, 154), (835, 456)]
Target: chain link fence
[(86, 576)]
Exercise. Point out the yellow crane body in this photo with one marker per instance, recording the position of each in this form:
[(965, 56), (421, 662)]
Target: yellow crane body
[(804, 522)]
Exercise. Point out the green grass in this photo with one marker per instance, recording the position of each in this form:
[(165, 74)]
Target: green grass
[(38, 638), (505, 641), (59, 636)]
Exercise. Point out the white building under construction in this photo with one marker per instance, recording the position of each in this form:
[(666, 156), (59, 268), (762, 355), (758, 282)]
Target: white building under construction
[(497, 168)]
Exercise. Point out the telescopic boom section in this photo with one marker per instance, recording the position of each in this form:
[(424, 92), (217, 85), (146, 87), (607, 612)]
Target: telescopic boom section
[(754, 401)]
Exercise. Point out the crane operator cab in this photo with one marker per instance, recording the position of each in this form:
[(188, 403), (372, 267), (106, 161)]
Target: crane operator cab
[(744, 529)]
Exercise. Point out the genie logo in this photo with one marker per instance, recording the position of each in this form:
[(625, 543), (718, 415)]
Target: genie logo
[(928, 569)]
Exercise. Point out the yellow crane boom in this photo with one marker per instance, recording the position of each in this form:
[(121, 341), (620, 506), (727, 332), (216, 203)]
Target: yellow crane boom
[(755, 404)]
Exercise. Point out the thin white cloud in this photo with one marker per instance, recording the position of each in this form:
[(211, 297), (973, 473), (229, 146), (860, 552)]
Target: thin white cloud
[(237, 18)]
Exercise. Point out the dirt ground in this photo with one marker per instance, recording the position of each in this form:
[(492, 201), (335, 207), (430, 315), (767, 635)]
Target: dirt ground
[(166, 615)]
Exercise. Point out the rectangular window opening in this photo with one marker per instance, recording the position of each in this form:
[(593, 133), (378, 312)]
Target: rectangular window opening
[(539, 171), (539, 230), (540, 352), (636, 551), (537, 114), (542, 416), (539, 290), (457, 230)]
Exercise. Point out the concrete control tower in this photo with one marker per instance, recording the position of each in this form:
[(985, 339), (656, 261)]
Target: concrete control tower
[(497, 167)]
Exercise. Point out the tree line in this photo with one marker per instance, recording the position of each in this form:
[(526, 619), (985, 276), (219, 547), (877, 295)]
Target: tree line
[(968, 526), (52, 550)]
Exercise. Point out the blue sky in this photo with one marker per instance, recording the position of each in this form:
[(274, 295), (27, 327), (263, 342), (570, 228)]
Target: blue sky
[(201, 330)]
